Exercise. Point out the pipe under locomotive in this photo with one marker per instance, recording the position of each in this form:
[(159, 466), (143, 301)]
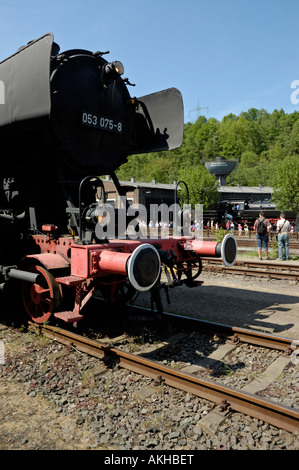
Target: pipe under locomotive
[(66, 117)]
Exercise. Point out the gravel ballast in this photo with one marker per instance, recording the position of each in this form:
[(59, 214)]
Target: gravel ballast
[(54, 397)]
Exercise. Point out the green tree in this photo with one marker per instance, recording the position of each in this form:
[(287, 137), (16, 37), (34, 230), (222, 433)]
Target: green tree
[(202, 186), (286, 185), (257, 139), (292, 143)]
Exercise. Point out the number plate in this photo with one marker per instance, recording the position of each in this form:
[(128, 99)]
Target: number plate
[(100, 122)]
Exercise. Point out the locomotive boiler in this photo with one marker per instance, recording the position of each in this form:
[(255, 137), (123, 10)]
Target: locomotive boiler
[(65, 119)]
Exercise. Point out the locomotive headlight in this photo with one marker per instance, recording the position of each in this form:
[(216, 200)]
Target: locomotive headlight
[(116, 67)]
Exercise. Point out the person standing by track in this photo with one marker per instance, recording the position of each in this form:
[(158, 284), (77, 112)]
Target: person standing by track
[(262, 227), (283, 230)]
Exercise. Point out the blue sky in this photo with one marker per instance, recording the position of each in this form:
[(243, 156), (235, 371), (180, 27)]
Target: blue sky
[(224, 55)]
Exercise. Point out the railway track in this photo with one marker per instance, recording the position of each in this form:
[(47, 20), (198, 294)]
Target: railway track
[(270, 269), (251, 242), (226, 398), (245, 241)]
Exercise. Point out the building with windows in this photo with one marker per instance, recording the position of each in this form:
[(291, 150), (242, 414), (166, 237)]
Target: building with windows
[(141, 193)]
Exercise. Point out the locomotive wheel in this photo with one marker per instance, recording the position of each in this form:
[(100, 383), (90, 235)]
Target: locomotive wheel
[(124, 293), (187, 267), (41, 300), (118, 293)]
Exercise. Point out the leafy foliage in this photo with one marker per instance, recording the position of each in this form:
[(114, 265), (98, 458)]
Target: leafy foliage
[(202, 186), (258, 140), (286, 184)]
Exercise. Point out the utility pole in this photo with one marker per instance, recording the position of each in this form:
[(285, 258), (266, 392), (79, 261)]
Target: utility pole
[(198, 109)]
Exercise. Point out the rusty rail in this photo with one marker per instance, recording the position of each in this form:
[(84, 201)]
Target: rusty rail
[(257, 338), (254, 268), (283, 417)]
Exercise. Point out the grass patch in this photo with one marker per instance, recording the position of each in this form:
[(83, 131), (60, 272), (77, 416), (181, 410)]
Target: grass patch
[(272, 254)]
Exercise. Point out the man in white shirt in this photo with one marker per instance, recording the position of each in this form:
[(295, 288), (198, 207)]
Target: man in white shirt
[(283, 229)]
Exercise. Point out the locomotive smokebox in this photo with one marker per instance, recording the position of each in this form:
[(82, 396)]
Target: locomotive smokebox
[(80, 106)]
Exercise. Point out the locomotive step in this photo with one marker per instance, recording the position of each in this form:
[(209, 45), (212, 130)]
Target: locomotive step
[(69, 280), (68, 316)]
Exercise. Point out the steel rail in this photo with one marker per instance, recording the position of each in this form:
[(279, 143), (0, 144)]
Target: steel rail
[(282, 417), (245, 335), (255, 263), (274, 270), (258, 338), (252, 242), (256, 272)]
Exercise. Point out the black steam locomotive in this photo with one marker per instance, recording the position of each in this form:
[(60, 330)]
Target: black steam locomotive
[(65, 119)]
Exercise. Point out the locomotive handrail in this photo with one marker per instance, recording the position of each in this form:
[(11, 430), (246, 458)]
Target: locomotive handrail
[(175, 194), (176, 189)]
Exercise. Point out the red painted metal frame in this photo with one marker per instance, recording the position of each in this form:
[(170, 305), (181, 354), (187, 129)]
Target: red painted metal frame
[(98, 260), (89, 265), (51, 244)]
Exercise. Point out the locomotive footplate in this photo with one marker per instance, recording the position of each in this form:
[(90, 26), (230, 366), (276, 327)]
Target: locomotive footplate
[(69, 280), (68, 316)]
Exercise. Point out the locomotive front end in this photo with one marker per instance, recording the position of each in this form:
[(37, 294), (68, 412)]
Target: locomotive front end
[(67, 118)]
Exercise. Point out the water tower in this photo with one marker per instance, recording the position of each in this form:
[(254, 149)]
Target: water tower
[(221, 168)]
